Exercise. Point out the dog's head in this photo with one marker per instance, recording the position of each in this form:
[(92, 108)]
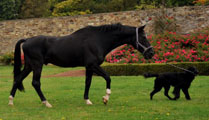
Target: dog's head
[(193, 69)]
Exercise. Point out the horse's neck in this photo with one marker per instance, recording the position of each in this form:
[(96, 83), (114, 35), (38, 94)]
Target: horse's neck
[(118, 41)]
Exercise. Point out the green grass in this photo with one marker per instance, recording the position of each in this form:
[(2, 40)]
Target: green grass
[(7, 71), (129, 99)]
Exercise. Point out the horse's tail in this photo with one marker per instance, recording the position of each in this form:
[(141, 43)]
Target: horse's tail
[(148, 75), (18, 64)]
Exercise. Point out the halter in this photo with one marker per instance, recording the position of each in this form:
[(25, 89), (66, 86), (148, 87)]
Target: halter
[(139, 44)]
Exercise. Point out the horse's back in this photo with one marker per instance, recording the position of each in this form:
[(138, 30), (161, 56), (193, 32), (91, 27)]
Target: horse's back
[(37, 47), (73, 50), (67, 51)]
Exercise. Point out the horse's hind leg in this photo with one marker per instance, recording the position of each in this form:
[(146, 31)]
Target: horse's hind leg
[(89, 74), (21, 77), (37, 84)]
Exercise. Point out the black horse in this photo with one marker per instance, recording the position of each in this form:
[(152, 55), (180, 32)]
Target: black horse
[(86, 47)]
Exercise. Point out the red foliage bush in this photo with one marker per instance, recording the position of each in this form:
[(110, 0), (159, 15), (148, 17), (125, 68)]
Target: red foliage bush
[(169, 47)]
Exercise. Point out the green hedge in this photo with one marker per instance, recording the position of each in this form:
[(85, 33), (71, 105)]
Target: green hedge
[(139, 69)]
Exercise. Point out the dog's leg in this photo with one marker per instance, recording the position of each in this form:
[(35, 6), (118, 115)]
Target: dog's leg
[(186, 93), (166, 92), (156, 89), (176, 92)]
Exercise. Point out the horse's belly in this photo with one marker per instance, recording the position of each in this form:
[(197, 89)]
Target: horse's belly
[(64, 61), (70, 56), (67, 65)]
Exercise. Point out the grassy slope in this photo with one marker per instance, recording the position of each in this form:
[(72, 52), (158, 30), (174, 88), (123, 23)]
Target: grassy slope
[(129, 100)]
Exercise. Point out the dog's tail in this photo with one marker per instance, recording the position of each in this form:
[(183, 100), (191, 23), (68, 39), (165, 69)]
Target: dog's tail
[(148, 75)]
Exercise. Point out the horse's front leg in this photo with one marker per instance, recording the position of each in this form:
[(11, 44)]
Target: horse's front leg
[(176, 93), (89, 74), (99, 71), (107, 96)]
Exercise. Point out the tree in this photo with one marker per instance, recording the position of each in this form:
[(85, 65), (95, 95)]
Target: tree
[(167, 3), (35, 8), (73, 7), (9, 9), (52, 4)]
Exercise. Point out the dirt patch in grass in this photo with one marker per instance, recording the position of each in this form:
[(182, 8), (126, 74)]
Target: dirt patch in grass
[(72, 73)]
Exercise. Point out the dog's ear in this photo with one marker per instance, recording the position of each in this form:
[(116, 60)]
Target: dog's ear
[(193, 69), (196, 71), (146, 75)]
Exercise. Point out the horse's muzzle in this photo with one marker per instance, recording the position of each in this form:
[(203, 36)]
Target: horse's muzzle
[(149, 54)]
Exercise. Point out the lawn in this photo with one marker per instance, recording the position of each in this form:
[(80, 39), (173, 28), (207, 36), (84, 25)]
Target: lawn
[(129, 99)]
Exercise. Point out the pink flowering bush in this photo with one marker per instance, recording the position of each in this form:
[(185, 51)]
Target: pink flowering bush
[(168, 47), (125, 54)]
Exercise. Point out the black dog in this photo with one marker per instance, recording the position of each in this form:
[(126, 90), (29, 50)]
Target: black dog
[(180, 81)]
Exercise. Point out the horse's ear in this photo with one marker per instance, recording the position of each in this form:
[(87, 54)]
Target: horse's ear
[(142, 27)]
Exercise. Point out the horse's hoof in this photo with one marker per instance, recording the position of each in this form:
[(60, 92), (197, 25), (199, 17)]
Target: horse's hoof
[(88, 102), (11, 104), (11, 101), (47, 104), (105, 100)]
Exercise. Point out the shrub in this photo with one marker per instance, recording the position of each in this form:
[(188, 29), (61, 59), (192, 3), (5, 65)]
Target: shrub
[(7, 59), (140, 69), (201, 2), (9, 9), (146, 4), (169, 47), (72, 7), (35, 8), (165, 3), (125, 54)]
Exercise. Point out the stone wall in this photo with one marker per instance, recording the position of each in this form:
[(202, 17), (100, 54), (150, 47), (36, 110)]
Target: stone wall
[(188, 19)]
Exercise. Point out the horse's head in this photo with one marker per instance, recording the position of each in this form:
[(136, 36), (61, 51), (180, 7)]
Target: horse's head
[(142, 44)]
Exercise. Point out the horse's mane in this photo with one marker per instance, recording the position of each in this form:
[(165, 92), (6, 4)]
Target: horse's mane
[(107, 28)]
